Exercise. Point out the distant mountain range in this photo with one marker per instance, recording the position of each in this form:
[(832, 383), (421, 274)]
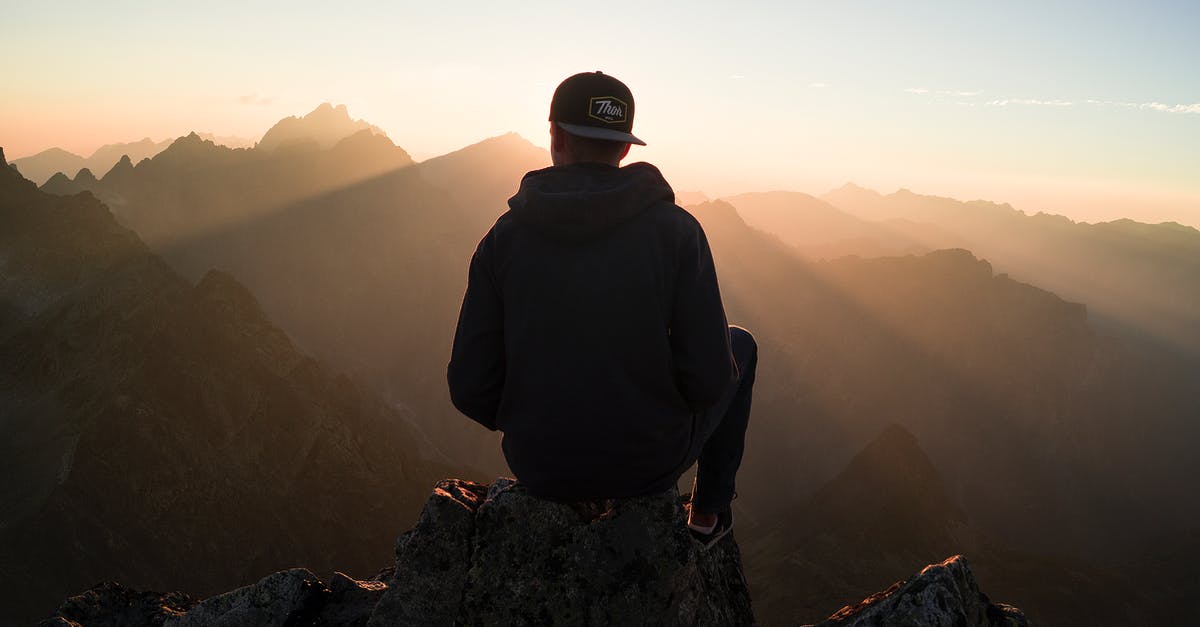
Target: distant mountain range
[(165, 433), (40, 167), (1050, 435), (1140, 279)]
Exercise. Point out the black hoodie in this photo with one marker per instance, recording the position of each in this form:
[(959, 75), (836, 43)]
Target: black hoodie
[(592, 332)]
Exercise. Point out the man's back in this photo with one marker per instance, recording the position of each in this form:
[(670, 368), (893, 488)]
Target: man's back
[(592, 332)]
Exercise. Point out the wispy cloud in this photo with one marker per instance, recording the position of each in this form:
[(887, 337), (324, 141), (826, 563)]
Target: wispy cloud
[(255, 99), (736, 77), (1004, 102), (817, 85), (962, 99), (1150, 106)]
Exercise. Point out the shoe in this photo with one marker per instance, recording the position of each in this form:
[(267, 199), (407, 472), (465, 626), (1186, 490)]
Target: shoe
[(723, 527)]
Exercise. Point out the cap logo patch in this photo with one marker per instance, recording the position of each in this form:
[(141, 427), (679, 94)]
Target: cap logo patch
[(608, 109)]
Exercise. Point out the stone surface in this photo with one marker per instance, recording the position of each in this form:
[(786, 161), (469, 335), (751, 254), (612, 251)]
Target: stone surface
[(941, 595), (495, 555), (505, 557), (288, 597), (112, 604)]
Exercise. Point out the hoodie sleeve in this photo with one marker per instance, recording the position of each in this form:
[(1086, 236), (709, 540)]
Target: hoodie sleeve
[(699, 332), (476, 370)]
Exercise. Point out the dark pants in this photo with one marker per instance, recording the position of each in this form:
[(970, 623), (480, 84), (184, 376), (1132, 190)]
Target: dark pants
[(722, 431)]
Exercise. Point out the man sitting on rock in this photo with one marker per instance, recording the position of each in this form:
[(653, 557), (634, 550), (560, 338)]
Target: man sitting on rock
[(592, 331)]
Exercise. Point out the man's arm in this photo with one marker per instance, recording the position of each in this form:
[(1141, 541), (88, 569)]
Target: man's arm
[(476, 370), (699, 331)]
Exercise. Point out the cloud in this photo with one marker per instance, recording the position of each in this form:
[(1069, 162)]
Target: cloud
[(917, 90), (817, 85), (255, 99), (1180, 108), (736, 77), (1150, 106), (1004, 102)]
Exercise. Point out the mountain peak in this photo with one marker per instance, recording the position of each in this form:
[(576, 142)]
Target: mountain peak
[(849, 187), (85, 176), (325, 126), (894, 478)]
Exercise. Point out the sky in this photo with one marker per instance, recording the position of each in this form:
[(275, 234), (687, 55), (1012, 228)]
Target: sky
[(1086, 109)]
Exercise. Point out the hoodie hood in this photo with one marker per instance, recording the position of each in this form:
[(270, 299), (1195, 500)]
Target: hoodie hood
[(584, 200)]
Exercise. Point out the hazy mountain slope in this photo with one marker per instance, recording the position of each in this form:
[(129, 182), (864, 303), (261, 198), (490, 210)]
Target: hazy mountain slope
[(482, 176), (168, 434), (820, 230), (324, 126), (1142, 277), (357, 255), (40, 167), (1034, 417)]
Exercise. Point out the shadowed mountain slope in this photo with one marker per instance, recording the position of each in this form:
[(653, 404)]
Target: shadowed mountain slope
[(882, 517), (168, 434)]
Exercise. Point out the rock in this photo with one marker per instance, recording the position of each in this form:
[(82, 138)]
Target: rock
[(288, 597), (944, 594), (498, 555), (350, 601), (111, 604)]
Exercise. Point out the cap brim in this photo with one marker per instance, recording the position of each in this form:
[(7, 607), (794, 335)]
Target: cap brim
[(600, 133)]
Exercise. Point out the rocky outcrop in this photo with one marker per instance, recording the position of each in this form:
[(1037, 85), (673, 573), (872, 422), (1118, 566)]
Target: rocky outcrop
[(495, 555), (484, 554), (942, 594)]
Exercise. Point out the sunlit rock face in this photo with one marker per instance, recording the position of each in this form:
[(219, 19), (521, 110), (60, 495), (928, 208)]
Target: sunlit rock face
[(942, 594)]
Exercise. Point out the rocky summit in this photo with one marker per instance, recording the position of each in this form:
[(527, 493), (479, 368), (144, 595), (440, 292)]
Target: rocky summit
[(941, 595), (495, 555)]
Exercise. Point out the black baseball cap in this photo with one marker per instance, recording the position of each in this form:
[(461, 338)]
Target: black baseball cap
[(596, 105)]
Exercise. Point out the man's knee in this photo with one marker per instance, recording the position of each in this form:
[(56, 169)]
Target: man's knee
[(745, 349)]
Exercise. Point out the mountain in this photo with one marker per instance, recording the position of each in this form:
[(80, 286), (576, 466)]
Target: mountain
[(41, 167), (356, 252), (821, 231), (324, 126), (1053, 437), (168, 434), (1017, 397), (481, 177), (1139, 279), (882, 516)]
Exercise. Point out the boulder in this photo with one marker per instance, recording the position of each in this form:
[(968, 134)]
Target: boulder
[(497, 555)]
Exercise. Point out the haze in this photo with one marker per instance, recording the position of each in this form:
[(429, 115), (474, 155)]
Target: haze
[(1088, 111)]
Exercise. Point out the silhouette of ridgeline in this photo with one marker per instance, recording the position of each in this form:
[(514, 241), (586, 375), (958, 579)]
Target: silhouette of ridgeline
[(494, 555)]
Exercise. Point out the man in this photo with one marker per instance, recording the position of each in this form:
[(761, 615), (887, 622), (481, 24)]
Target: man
[(592, 331)]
